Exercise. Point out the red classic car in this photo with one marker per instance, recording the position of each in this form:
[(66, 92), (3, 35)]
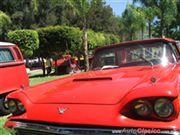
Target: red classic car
[(132, 88), (13, 74)]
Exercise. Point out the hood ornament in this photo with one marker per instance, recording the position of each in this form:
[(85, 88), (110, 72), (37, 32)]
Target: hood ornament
[(153, 79), (61, 110)]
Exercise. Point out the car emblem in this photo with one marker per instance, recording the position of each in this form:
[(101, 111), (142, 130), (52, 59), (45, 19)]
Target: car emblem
[(62, 110)]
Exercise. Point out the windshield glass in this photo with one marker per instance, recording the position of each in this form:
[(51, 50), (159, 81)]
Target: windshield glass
[(133, 55)]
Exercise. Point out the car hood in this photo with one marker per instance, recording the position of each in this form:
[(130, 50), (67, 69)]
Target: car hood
[(96, 87)]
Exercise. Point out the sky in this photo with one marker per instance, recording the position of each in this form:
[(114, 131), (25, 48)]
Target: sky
[(118, 6)]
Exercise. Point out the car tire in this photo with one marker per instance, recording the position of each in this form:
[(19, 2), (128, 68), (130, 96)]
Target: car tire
[(3, 110)]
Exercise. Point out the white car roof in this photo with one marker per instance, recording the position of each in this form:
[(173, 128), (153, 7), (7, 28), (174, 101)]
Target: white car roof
[(6, 44)]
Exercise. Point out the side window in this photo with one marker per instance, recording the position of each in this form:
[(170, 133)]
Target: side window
[(175, 50), (18, 53), (6, 55)]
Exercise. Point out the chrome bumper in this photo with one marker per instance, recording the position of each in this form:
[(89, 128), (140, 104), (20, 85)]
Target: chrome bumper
[(28, 128)]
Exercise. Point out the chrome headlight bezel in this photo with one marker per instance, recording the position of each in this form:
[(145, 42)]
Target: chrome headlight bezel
[(142, 107), (130, 109), (12, 105), (21, 106), (15, 106), (161, 104)]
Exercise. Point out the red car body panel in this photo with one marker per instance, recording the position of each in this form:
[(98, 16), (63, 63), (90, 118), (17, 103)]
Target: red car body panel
[(13, 74), (98, 97), (87, 114), (92, 92)]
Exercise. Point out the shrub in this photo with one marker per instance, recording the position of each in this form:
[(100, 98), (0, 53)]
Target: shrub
[(5, 22), (27, 40), (58, 40)]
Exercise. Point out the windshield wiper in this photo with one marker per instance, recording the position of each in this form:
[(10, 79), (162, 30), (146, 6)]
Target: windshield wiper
[(139, 56), (156, 56), (150, 53)]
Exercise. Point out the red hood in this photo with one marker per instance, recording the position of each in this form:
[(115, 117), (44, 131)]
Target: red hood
[(95, 87)]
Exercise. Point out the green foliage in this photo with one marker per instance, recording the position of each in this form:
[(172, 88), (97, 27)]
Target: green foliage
[(165, 12), (134, 18), (95, 15), (56, 40), (174, 30), (102, 14), (5, 22), (3, 131), (28, 40), (97, 39)]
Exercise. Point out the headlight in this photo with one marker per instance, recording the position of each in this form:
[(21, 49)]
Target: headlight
[(163, 107), (15, 107), (21, 107), (142, 107), (12, 105)]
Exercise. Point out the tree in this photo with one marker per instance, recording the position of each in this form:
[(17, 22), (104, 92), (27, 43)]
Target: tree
[(134, 19), (150, 15), (164, 10), (174, 28), (149, 11), (32, 14), (5, 22), (141, 20), (63, 10), (166, 14), (21, 12), (83, 10), (95, 15)]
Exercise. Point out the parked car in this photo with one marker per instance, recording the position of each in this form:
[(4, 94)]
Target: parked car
[(132, 88), (66, 65), (13, 74)]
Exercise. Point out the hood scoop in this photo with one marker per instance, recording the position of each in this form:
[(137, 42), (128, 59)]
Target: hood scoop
[(92, 79)]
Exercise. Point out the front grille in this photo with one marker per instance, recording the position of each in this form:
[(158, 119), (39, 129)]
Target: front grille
[(26, 128), (32, 132)]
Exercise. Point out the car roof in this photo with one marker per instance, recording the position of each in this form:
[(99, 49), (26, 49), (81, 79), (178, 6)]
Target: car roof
[(6, 44), (136, 42)]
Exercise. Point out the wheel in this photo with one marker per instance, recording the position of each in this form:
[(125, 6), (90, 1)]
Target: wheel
[(3, 109)]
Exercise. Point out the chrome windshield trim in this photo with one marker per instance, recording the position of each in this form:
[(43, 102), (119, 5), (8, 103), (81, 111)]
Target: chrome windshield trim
[(65, 130)]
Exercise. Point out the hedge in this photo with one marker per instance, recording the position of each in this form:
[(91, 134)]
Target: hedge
[(53, 41), (59, 39), (27, 40)]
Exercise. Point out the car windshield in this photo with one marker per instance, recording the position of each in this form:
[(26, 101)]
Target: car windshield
[(134, 55)]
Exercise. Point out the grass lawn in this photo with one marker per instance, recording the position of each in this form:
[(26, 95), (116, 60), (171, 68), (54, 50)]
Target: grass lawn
[(35, 78)]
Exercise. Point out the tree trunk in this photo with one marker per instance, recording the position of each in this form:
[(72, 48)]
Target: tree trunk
[(142, 33), (149, 27), (85, 45), (162, 28), (131, 36)]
